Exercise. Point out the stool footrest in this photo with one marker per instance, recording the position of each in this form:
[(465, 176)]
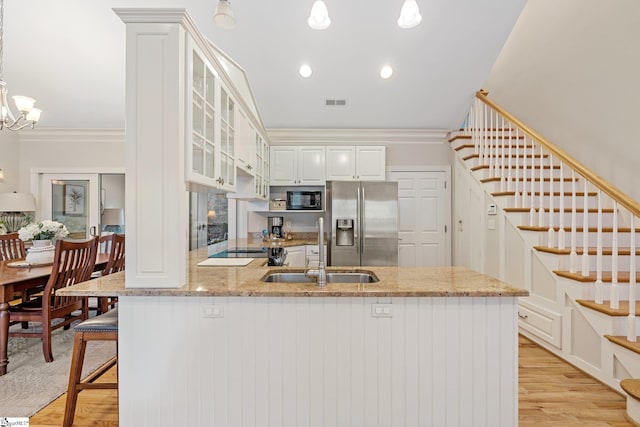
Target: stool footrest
[(98, 373)]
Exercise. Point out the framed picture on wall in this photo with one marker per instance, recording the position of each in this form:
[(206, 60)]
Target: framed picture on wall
[(74, 198)]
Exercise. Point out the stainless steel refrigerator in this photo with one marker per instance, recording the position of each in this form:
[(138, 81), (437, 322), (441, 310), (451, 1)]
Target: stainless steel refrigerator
[(363, 218)]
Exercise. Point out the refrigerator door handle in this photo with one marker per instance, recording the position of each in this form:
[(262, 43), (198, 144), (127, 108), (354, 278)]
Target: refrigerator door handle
[(362, 229), (358, 226)]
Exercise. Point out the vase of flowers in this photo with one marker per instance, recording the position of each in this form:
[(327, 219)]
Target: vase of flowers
[(42, 234)]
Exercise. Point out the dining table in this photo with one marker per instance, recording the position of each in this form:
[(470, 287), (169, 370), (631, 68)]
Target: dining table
[(15, 278)]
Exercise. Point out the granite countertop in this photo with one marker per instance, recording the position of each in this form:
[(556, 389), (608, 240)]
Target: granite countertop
[(245, 281)]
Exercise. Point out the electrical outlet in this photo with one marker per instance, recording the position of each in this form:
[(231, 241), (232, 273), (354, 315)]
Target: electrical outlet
[(213, 310), (381, 310)]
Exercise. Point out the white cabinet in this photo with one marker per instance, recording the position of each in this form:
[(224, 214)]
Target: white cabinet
[(313, 255), (350, 163), (303, 165), (227, 171), (210, 152), (296, 256), (201, 139), (252, 162), (262, 167), (245, 147)]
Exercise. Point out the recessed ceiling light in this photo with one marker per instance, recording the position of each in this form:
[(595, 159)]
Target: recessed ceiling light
[(386, 72), (305, 71)]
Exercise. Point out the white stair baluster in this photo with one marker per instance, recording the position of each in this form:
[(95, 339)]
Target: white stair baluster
[(573, 256), (599, 287), (541, 196), (485, 132), (613, 297), (551, 231), (475, 128), (532, 210), (585, 232), (561, 222), (521, 189), (510, 186), (491, 140), (631, 319), (503, 176)]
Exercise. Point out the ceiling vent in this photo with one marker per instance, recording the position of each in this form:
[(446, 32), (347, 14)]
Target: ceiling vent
[(335, 102)]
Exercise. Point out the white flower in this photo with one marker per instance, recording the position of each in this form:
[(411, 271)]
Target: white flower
[(3, 229), (43, 230)]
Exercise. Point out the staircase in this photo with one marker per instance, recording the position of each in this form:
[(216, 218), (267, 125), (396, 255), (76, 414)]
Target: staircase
[(533, 216)]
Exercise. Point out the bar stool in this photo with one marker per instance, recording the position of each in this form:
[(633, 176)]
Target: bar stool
[(100, 328)]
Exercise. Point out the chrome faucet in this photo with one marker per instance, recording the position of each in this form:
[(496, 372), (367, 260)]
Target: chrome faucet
[(320, 274)]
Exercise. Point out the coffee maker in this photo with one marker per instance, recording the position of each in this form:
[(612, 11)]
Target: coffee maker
[(275, 226)]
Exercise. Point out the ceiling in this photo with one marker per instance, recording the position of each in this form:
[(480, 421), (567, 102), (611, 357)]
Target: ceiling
[(69, 56)]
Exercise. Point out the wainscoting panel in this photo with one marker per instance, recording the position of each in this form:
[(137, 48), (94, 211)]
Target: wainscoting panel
[(305, 362)]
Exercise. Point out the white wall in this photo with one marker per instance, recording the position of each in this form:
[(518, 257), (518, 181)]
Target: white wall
[(9, 161), (69, 149), (570, 71), (430, 154)]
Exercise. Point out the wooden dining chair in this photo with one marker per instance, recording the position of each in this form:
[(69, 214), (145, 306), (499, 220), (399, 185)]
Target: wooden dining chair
[(11, 247), (73, 263), (115, 243)]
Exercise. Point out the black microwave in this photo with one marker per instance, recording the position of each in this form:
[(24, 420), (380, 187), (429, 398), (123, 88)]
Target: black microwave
[(304, 200)]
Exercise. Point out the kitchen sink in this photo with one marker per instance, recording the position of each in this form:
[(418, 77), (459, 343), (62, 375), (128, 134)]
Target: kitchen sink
[(351, 276)]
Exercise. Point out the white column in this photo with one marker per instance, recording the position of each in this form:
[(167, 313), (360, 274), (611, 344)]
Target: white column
[(156, 196)]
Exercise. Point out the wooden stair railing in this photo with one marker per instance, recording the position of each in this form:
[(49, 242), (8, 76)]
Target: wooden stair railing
[(581, 216), (529, 168)]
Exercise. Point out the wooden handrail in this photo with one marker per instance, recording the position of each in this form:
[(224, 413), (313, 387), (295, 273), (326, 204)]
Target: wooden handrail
[(613, 192)]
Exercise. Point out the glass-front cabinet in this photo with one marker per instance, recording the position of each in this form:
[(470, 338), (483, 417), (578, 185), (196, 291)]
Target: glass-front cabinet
[(201, 163), (227, 178), (262, 168), (210, 159)]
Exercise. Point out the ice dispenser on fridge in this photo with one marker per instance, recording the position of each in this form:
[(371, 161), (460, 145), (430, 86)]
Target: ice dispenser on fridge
[(344, 232)]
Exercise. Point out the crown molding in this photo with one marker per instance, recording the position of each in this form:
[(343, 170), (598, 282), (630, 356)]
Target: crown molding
[(72, 135), (284, 136)]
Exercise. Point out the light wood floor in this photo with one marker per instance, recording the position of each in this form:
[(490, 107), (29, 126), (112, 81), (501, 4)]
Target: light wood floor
[(552, 393)]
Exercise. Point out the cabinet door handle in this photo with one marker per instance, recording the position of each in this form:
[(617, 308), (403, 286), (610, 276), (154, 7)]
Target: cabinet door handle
[(523, 316)]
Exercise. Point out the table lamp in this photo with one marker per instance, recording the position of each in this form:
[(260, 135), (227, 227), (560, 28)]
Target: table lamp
[(14, 208), (112, 219)]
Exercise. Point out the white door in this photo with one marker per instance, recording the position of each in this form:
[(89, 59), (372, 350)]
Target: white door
[(72, 199), (423, 218)]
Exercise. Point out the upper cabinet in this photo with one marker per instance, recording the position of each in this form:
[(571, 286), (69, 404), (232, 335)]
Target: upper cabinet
[(201, 158), (245, 148), (210, 153), (351, 163), (227, 175), (262, 167), (297, 165)]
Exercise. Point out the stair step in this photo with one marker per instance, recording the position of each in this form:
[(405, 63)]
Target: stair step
[(528, 167), (579, 251), (546, 194), (578, 229), (513, 147), (557, 210), (632, 387), (498, 179), (513, 156), (506, 137), (604, 308), (623, 276), (453, 138), (620, 340)]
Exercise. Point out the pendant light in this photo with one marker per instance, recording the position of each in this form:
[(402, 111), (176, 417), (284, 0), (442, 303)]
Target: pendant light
[(223, 15), (319, 17), (409, 14)]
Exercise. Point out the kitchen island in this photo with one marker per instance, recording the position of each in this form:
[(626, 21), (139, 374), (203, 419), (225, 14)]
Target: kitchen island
[(421, 347)]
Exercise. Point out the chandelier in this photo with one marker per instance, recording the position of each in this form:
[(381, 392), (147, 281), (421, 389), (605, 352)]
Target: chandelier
[(28, 114)]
